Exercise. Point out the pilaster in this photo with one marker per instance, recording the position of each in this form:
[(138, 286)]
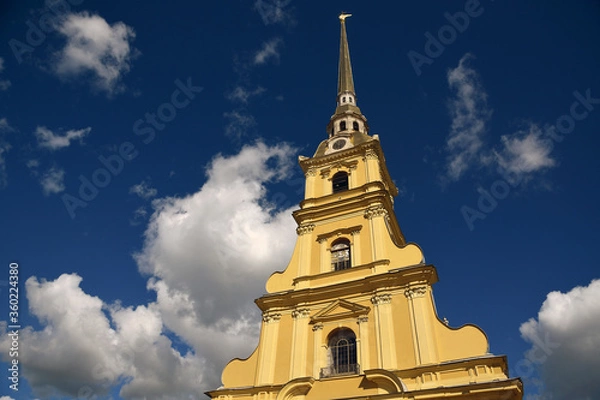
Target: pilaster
[(386, 340), (268, 349), (299, 342), (421, 321)]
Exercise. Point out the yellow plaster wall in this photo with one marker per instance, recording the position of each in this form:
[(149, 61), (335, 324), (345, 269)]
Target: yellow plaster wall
[(240, 372), (283, 355)]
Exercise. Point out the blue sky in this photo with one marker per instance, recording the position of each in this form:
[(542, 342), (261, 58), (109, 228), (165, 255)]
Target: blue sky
[(185, 120)]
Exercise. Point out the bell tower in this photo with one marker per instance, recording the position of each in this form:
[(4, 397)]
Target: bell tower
[(353, 316)]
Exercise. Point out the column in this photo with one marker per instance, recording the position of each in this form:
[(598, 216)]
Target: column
[(326, 182), (363, 350), (268, 349), (304, 232), (372, 161), (319, 356), (309, 188), (352, 176), (299, 343), (355, 245), (376, 216), (386, 340), (423, 335), (324, 257)]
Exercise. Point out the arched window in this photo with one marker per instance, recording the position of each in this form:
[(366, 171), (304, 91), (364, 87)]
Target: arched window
[(340, 254), (340, 182), (342, 351), (343, 99), (355, 125)]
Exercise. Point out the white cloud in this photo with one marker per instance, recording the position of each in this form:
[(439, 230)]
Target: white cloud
[(143, 190), (32, 164), (269, 50), (87, 347), (5, 126), (274, 11), (243, 95), (524, 152), (139, 215), (208, 256), (53, 181), (470, 112), (4, 84), (95, 47), (565, 342), (6, 398), (48, 139), (213, 251), (239, 123)]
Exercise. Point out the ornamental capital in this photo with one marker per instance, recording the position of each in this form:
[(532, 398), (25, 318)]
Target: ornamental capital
[(305, 228), (362, 319), (375, 211), (317, 327), (300, 313), (271, 317), (381, 298), (370, 154), (311, 172), (415, 291)]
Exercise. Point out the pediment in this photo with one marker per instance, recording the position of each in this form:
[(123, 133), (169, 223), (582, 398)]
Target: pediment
[(339, 309)]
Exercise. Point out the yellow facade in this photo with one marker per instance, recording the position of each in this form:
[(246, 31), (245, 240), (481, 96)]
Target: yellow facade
[(353, 316)]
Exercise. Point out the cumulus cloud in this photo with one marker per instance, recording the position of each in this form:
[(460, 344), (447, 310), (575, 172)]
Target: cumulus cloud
[(274, 11), (49, 140), (269, 50), (207, 256), (524, 153), (211, 253), (143, 190), (239, 123), (243, 95), (95, 48), (87, 347), (53, 181), (565, 339), (470, 113)]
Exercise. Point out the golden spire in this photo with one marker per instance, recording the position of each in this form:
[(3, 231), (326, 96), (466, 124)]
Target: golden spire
[(345, 79), (347, 117)]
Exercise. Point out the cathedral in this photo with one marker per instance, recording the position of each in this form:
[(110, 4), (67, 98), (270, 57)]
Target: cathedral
[(353, 315)]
